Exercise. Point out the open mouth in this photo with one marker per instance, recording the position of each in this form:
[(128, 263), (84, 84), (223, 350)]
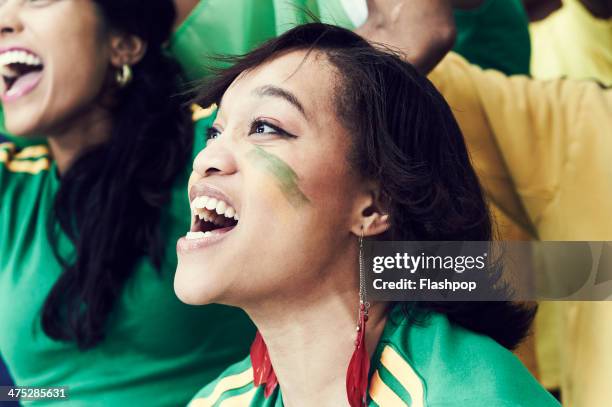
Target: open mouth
[(21, 71), (212, 216)]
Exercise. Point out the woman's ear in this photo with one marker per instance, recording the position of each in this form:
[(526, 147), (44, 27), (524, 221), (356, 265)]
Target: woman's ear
[(126, 49), (371, 215)]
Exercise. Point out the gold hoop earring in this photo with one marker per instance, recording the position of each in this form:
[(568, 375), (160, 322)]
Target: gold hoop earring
[(124, 76)]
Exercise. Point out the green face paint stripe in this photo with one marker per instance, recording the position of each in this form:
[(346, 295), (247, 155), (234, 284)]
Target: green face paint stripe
[(285, 177)]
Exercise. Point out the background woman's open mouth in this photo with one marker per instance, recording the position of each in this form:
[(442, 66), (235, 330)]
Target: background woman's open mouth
[(21, 72), (211, 217)]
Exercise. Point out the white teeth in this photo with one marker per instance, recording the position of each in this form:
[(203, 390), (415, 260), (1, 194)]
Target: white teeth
[(19, 57), (11, 92), (221, 207), (194, 235), (197, 235), (200, 202), (211, 204), (207, 208), (236, 217)]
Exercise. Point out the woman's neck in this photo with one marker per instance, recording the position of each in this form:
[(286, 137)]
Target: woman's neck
[(70, 140), (310, 342)]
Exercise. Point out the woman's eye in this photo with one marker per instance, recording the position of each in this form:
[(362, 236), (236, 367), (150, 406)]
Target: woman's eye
[(212, 133), (40, 3), (262, 127)]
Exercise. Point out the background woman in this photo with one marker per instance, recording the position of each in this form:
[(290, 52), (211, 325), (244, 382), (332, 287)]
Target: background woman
[(304, 168), (88, 224)]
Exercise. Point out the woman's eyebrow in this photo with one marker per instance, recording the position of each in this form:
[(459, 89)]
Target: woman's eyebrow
[(275, 91)]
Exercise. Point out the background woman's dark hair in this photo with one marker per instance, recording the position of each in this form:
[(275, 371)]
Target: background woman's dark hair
[(405, 136), (110, 199)]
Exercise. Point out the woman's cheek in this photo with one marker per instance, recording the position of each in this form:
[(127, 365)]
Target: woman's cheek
[(277, 173)]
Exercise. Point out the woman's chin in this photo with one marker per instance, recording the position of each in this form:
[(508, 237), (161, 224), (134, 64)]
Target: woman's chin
[(194, 286), (191, 294), (22, 124), (19, 129)]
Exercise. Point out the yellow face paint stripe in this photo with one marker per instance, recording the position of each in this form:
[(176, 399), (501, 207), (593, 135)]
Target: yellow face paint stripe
[(403, 372), (198, 112), (227, 383), (32, 152), (382, 394)]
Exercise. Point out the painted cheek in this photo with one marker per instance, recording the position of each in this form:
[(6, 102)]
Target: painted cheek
[(281, 174)]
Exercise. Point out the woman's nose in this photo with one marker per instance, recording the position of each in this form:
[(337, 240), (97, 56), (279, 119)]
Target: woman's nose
[(10, 18), (217, 158)]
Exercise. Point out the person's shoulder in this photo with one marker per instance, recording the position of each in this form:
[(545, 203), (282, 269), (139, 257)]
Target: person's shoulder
[(434, 361), (27, 160), (236, 382)]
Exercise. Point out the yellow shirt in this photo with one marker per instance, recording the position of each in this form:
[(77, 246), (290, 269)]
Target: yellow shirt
[(543, 152), (571, 42)]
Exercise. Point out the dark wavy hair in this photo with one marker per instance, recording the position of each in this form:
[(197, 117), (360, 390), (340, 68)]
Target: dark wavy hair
[(406, 138), (110, 199)]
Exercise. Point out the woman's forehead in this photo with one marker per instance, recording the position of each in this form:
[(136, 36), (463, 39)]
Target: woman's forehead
[(309, 77)]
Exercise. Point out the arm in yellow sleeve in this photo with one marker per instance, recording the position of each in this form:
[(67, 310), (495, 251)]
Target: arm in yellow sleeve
[(542, 149)]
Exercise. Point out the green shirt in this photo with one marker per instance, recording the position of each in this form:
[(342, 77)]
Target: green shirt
[(158, 351), (434, 363), (236, 27), (495, 35)]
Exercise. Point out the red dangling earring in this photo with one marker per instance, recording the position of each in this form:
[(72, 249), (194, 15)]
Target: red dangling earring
[(263, 373), (359, 366)]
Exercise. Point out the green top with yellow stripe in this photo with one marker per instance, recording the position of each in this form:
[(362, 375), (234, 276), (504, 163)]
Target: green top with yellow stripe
[(157, 352), (430, 363)]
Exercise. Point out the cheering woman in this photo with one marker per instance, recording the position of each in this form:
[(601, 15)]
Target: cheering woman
[(88, 225), (321, 141)]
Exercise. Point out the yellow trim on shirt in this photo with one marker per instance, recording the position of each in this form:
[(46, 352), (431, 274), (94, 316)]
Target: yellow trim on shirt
[(404, 373), (27, 166), (30, 167), (9, 146), (240, 400), (382, 394), (227, 383), (32, 152), (198, 112)]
